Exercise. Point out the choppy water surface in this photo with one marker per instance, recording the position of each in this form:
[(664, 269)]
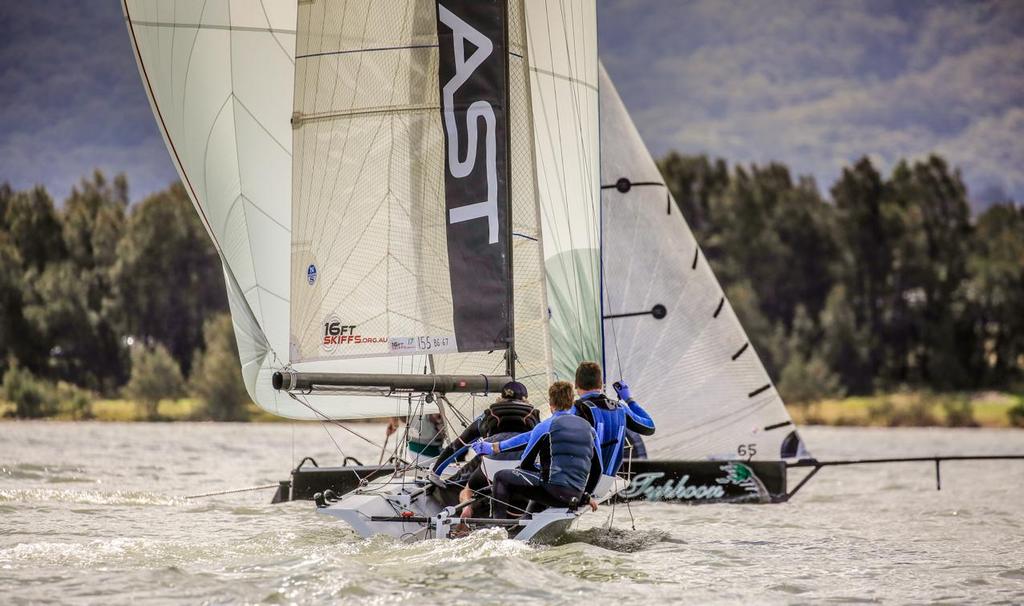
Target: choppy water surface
[(94, 512)]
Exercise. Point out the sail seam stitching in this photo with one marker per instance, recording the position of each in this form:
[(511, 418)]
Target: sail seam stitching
[(230, 28), (364, 50)]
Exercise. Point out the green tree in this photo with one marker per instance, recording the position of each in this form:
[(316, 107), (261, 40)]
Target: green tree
[(845, 346), (995, 294), (6, 193), (869, 227), (29, 394), (216, 375), (167, 277), (83, 347), (34, 227), (14, 339), (925, 335), (64, 291), (696, 183), (155, 376), (93, 222)]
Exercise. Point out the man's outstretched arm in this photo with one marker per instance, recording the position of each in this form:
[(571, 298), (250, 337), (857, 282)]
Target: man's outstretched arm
[(637, 418)]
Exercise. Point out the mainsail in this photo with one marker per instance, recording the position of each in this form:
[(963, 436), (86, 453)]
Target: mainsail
[(367, 173), (670, 331)]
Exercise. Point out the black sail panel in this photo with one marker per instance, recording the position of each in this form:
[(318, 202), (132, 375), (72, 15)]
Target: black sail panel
[(473, 66)]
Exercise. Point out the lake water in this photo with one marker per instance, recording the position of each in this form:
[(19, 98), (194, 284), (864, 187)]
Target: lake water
[(93, 513)]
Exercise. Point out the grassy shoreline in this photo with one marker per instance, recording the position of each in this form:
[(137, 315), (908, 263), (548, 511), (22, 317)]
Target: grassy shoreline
[(901, 409), (913, 409)]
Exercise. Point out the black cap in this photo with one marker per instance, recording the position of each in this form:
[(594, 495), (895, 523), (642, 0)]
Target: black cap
[(513, 390)]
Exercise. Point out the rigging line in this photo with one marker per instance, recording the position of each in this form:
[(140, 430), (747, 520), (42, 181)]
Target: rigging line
[(575, 93), (624, 290), (607, 294), (558, 151), (330, 420), (336, 445), (569, 79), (588, 217), (298, 138), (629, 475)]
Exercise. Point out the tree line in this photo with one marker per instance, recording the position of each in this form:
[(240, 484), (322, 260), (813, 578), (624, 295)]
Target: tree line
[(111, 298), (888, 282)]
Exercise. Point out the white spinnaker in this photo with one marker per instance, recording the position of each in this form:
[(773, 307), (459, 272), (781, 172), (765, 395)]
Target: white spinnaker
[(219, 75), (562, 53), (695, 370)]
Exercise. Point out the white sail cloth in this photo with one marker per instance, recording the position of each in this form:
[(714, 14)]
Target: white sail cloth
[(695, 370), (562, 53), (310, 241), (219, 76)]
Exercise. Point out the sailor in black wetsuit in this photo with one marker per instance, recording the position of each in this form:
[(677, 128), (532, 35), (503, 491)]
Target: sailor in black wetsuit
[(510, 415), (570, 461)]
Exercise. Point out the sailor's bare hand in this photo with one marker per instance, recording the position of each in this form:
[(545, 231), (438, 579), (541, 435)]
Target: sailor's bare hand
[(392, 426), (593, 504)]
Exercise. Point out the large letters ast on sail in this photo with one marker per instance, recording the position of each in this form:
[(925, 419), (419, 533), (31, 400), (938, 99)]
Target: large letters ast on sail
[(472, 66)]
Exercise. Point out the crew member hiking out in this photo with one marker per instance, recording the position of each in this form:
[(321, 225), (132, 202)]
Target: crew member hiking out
[(511, 415), (569, 461), (609, 418)]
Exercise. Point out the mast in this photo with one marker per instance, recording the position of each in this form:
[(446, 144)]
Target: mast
[(510, 352)]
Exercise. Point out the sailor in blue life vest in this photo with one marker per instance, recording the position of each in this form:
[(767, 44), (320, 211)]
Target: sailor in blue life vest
[(569, 460), (612, 420), (511, 415)]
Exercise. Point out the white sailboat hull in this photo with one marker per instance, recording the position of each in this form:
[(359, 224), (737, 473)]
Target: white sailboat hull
[(406, 509)]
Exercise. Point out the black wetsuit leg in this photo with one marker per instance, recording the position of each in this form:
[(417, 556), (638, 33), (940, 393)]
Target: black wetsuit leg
[(526, 485)]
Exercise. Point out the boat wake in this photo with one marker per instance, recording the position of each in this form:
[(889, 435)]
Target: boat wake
[(615, 539)]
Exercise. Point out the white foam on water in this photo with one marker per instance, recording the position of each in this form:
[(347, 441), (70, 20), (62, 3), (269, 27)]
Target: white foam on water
[(86, 497), (840, 539)]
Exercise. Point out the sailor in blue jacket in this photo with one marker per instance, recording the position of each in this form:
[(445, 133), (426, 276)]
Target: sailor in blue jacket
[(569, 456), (609, 418)]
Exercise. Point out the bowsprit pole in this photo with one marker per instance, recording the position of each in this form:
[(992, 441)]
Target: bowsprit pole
[(816, 466)]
